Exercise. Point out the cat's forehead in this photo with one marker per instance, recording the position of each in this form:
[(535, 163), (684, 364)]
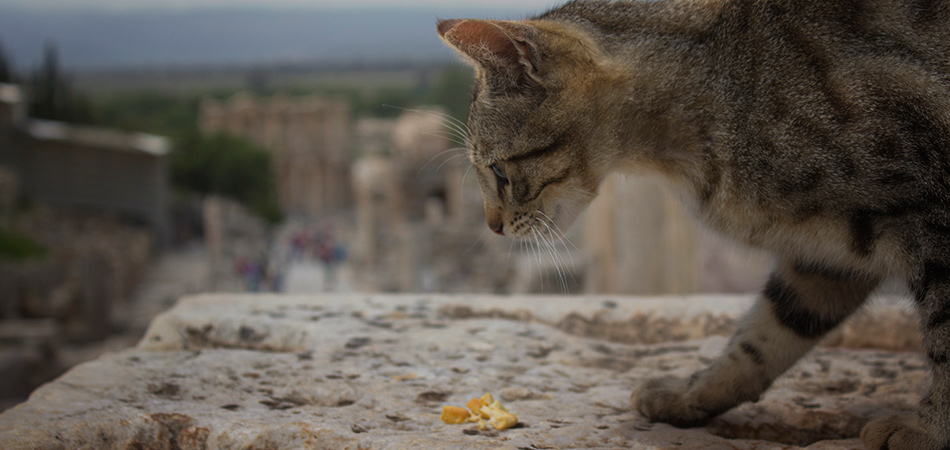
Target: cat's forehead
[(503, 125), (490, 148), (487, 148), (493, 131)]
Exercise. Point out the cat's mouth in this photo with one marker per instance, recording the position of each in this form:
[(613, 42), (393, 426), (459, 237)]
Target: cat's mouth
[(549, 218)]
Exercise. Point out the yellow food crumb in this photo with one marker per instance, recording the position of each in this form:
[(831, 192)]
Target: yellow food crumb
[(484, 408), (454, 414), (475, 405), (500, 419)]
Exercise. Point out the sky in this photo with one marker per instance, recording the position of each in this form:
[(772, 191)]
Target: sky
[(92, 34), (140, 5)]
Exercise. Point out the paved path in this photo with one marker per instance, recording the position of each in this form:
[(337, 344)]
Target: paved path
[(172, 275)]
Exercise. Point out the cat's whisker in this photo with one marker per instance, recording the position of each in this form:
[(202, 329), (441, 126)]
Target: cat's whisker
[(454, 149), (555, 257), (544, 245), (459, 129), (447, 160), (537, 255), (526, 251), (452, 133), (561, 238), (455, 127), (450, 122), (451, 137), (557, 268), (564, 241), (453, 119), (455, 123), (563, 235), (480, 236), (462, 184), (427, 112), (542, 255)]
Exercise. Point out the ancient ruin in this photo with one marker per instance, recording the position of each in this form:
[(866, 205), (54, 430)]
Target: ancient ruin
[(98, 211), (309, 138)]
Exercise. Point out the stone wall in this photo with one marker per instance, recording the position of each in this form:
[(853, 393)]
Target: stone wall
[(9, 193), (93, 265), (373, 371)]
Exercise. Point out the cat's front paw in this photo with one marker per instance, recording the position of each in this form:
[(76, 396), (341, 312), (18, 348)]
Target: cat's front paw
[(666, 400), (897, 433)]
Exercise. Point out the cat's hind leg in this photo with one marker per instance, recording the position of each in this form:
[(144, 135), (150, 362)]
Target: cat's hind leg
[(930, 428), (800, 303)]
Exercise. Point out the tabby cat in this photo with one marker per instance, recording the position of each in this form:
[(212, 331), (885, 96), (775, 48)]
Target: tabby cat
[(817, 129)]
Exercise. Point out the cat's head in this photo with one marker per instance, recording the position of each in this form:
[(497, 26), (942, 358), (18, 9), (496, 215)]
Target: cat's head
[(535, 124)]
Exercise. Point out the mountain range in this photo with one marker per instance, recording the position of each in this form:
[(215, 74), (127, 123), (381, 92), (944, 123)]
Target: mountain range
[(115, 40)]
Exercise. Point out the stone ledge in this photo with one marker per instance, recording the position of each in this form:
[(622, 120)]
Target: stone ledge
[(360, 372)]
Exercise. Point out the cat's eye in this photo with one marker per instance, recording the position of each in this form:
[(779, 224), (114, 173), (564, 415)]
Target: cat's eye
[(498, 172)]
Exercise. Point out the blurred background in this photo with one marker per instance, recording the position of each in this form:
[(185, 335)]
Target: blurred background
[(152, 148)]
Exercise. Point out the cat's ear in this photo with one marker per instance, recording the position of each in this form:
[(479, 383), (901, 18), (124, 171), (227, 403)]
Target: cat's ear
[(493, 45)]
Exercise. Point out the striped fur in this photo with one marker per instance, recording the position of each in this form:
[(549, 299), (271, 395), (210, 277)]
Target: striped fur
[(819, 130)]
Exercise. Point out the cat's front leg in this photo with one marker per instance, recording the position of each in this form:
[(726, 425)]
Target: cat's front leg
[(929, 429), (800, 303)]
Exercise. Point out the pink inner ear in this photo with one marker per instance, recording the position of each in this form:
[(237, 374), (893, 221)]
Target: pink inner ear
[(480, 40)]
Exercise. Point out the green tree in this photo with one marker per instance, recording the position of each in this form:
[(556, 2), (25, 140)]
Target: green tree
[(6, 68), (52, 96), (46, 87), (228, 166), (149, 111)]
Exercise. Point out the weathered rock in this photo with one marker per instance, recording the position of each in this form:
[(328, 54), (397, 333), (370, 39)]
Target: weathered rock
[(361, 372)]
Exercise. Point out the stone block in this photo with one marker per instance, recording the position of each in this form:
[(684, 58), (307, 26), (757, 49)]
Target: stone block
[(361, 372)]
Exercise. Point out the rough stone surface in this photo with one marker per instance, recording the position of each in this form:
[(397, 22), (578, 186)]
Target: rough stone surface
[(372, 372)]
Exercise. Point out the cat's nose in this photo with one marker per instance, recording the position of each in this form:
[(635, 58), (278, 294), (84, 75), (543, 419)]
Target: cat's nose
[(497, 226)]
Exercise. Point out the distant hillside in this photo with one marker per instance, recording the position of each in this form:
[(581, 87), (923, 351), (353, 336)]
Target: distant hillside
[(90, 40)]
